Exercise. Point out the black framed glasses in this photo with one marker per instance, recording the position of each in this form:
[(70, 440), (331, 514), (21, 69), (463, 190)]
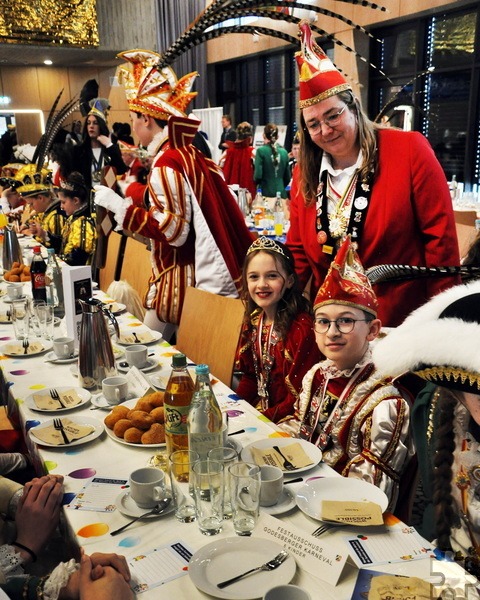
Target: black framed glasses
[(330, 121), (343, 324)]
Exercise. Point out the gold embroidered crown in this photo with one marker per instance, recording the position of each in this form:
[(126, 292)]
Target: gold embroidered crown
[(265, 243)]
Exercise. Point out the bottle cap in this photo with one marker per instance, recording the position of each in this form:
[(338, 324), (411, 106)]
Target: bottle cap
[(202, 370), (36, 249), (179, 360)]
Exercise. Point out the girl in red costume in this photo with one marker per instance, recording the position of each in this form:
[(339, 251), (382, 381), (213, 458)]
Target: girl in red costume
[(277, 344)]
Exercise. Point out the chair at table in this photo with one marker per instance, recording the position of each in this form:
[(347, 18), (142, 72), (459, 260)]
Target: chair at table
[(108, 273), (136, 266), (209, 331)]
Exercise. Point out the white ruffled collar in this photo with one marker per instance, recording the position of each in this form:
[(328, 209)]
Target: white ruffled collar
[(158, 138), (333, 372)]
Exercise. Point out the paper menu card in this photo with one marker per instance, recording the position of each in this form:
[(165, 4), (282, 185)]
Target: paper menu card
[(269, 456), (52, 436), (325, 561), (374, 585), (138, 384), (68, 399), (394, 543), (99, 494), (359, 514), (77, 285), (159, 566)]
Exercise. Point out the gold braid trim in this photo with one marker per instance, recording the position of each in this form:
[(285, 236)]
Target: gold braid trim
[(372, 458), (431, 415), (439, 374)]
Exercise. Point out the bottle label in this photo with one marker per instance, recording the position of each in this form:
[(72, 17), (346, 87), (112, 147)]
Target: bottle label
[(204, 442), (176, 419), (38, 280)]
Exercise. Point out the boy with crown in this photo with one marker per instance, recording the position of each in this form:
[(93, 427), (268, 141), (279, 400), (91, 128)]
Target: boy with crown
[(199, 236), (358, 419)]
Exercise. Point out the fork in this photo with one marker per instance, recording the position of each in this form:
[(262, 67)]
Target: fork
[(57, 423), (286, 463), (135, 337), (268, 566), (56, 396), (324, 528), (25, 344)]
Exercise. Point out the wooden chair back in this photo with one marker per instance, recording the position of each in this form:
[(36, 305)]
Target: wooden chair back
[(209, 331), (136, 266), (108, 272)]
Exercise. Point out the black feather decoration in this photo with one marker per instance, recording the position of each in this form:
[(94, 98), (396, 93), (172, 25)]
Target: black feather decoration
[(208, 24), (88, 92), (388, 273)]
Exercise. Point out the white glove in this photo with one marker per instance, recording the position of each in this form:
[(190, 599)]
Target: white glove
[(107, 198)]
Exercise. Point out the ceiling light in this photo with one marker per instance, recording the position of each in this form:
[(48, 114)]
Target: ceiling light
[(47, 62)]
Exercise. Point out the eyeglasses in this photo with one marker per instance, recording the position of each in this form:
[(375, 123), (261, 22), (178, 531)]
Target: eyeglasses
[(343, 324), (331, 121)]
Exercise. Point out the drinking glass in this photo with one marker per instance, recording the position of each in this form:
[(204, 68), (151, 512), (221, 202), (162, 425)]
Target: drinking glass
[(21, 319), (227, 456), (43, 314), (245, 482), (180, 464), (208, 491)]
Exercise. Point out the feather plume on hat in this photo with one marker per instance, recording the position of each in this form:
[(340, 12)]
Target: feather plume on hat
[(439, 342)]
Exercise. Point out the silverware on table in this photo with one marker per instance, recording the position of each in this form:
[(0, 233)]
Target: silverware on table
[(268, 566), (296, 480), (25, 344), (58, 425), (324, 528), (157, 510), (286, 463), (56, 396), (237, 432)]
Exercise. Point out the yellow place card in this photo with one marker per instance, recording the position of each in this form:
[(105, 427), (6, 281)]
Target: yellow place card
[(352, 513)]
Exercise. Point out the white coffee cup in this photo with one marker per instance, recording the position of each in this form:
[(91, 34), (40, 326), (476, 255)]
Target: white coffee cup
[(115, 389), (287, 592), (14, 292), (64, 347), (147, 486), (271, 485), (136, 355)]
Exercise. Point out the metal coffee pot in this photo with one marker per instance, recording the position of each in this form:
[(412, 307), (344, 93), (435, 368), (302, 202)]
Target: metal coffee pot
[(95, 353), (11, 249)]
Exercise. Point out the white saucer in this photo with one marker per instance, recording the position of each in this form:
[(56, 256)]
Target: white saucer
[(128, 507), (52, 357), (285, 503), (152, 363), (100, 401), (10, 300)]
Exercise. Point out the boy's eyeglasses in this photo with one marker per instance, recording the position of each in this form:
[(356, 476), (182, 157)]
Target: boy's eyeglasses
[(343, 324), (331, 121)]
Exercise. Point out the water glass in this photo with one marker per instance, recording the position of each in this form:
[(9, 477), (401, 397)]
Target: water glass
[(245, 485), (44, 315), (180, 464), (227, 456), (20, 312), (208, 489)]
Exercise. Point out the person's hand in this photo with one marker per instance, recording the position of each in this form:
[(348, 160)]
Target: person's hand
[(38, 512), (113, 202), (116, 561), (110, 585), (104, 140)]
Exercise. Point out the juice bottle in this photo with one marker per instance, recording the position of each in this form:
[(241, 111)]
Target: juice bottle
[(178, 396)]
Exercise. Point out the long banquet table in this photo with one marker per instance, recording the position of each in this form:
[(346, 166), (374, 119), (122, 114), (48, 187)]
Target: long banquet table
[(104, 457)]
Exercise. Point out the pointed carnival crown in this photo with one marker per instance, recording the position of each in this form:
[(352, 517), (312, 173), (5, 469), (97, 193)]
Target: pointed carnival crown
[(264, 243), (318, 77), (99, 108), (439, 342), (153, 91), (346, 282), (33, 181)]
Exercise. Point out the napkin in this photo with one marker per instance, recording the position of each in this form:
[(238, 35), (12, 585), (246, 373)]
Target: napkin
[(33, 348), (142, 337), (74, 431), (293, 452), (351, 513), (69, 399), (373, 585)]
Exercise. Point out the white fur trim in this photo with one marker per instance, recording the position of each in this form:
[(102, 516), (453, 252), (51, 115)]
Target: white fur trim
[(423, 338)]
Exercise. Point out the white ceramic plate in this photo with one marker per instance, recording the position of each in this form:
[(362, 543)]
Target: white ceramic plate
[(9, 348), (114, 307), (82, 393), (52, 357), (130, 404), (152, 363), (314, 453), (156, 337), (128, 507), (228, 557), (310, 496), (285, 503), (81, 421), (101, 402)]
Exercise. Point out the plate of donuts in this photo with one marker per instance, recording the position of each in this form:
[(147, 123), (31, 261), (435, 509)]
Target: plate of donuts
[(138, 422)]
